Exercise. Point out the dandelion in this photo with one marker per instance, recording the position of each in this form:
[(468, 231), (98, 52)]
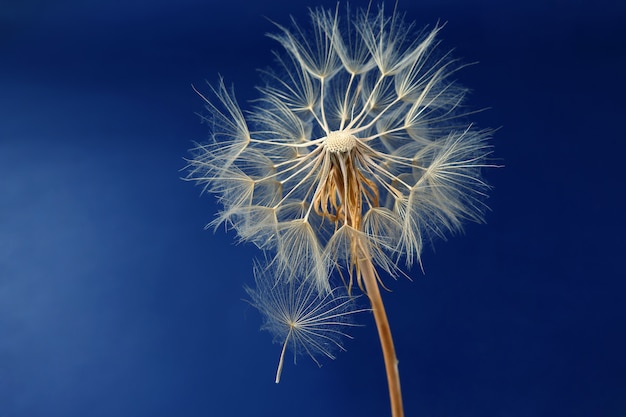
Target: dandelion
[(355, 155), (300, 318)]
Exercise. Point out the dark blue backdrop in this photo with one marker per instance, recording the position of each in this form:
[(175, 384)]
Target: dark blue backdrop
[(115, 302)]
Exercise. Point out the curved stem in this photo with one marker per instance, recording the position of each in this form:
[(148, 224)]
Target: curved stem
[(370, 281), (281, 361)]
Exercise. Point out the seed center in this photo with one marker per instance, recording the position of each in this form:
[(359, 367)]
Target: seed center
[(339, 141)]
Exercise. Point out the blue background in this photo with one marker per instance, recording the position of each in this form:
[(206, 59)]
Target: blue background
[(115, 302)]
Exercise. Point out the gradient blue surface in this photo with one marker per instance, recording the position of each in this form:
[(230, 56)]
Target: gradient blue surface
[(115, 302)]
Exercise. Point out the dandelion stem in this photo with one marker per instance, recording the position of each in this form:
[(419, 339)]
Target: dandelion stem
[(281, 361), (368, 275)]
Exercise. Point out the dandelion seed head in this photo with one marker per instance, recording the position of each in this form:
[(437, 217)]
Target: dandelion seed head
[(360, 132)]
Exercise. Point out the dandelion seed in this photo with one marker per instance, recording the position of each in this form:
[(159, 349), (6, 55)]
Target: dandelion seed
[(300, 318), (355, 155)]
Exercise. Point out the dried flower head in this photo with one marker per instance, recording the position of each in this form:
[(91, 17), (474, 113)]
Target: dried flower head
[(356, 152), (359, 132)]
